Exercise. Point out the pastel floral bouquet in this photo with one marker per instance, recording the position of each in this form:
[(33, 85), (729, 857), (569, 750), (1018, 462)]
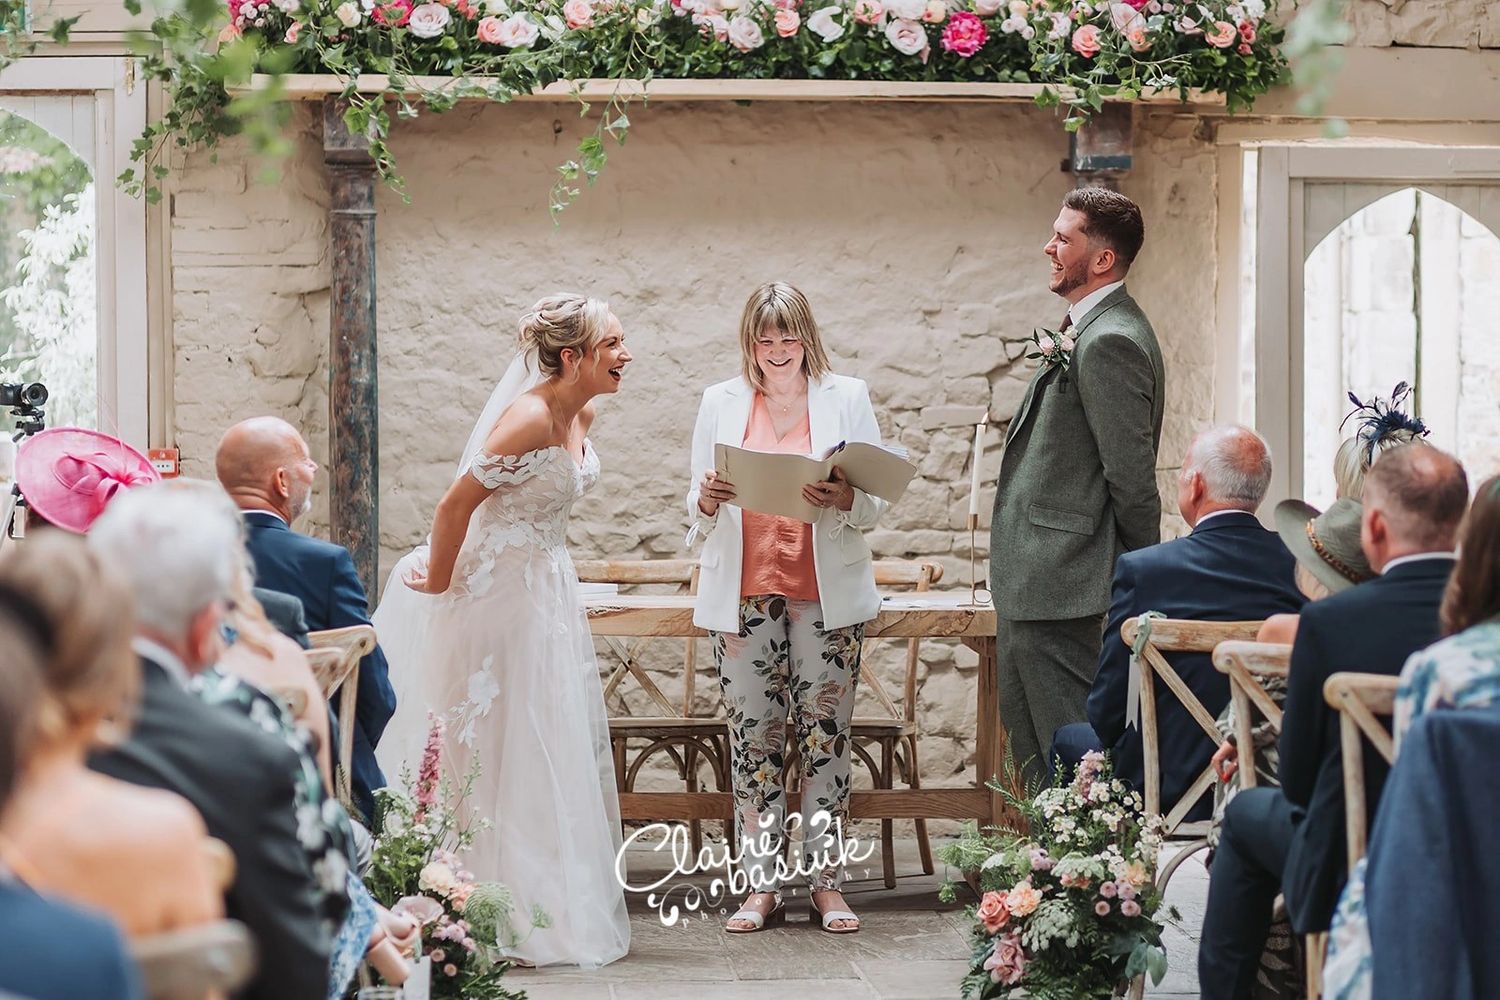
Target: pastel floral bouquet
[(1052, 349), (1069, 911), (416, 870)]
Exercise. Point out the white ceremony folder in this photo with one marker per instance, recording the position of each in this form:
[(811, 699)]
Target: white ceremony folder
[(772, 484)]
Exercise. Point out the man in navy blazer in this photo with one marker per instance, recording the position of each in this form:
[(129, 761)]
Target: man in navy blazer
[(266, 467), (1229, 569), (1291, 839)]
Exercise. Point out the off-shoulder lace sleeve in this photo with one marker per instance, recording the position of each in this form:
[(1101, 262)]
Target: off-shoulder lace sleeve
[(505, 470)]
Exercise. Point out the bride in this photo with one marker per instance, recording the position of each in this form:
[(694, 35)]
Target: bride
[(485, 628)]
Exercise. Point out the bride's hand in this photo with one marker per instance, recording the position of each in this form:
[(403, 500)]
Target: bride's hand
[(417, 580)]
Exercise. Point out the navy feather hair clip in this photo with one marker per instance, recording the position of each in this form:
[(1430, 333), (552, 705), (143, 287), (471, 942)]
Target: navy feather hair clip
[(1379, 419)]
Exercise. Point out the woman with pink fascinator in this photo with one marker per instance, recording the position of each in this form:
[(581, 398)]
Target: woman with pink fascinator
[(68, 475)]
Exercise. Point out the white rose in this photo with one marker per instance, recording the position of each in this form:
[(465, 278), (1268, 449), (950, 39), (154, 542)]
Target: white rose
[(348, 14), (821, 23), (745, 34), (553, 27), (428, 20), (906, 36), (987, 8), (907, 10), (730, 6), (518, 31), (1019, 9), (497, 8), (288, 6)]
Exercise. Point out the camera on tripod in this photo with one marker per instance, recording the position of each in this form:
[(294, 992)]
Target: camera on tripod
[(25, 401)]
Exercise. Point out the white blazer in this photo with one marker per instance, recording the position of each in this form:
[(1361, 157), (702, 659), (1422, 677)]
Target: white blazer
[(838, 409)]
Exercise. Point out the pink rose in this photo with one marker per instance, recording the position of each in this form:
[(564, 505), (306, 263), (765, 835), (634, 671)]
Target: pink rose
[(868, 11), (393, 14), (1067, 345), (745, 34), (1222, 36), (964, 34), (908, 37), (993, 912), (578, 14), (229, 33), (787, 22), (714, 26), (1086, 41), (935, 12), (1007, 963), (1247, 32), (1130, 908), (1138, 40), (488, 30), (1138, 4), (988, 8), (1045, 344), (1187, 26), (518, 31)]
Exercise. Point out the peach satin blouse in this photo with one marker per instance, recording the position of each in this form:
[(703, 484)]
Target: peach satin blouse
[(778, 550)]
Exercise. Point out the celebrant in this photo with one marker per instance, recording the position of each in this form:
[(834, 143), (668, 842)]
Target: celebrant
[(785, 602)]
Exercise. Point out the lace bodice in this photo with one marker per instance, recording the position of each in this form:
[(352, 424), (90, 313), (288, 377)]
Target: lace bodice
[(527, 508)]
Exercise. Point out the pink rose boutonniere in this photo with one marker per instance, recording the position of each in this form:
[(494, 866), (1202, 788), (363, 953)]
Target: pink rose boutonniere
[(1052, 349)]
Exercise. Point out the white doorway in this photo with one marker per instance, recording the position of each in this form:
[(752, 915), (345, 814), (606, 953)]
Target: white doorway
[(73, 302), (1372, 265)]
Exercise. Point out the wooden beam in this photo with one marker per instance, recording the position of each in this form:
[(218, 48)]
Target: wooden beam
[(353, 396), (316, 86)]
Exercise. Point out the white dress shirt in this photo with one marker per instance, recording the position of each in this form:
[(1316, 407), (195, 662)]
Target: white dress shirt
[(1414, 557), (1078, 310)]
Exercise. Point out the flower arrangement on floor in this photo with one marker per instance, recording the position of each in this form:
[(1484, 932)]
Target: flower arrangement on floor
[(1096, 49), (416, 870), (1070, 911)]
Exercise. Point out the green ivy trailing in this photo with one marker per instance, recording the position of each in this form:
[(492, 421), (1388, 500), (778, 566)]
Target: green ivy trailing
[(1084, 51)]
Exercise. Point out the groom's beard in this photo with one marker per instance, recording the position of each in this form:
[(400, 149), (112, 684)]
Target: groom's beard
[(1071, 278)]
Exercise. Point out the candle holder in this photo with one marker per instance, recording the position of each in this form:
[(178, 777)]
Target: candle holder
[(977, 594)]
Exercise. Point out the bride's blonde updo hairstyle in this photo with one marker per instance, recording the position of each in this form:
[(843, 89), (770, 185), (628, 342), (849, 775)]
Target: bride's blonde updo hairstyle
[(563, 322)]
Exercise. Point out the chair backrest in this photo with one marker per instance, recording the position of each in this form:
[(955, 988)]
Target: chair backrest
[(1359, 698), (220, 860), (889, 574), (683, 573), (186, 964), (294, 698), (1176, 635), (1250, 666), (353, 643)]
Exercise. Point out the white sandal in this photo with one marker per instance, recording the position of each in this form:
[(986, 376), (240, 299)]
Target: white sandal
[(758, 921), (830, 916)]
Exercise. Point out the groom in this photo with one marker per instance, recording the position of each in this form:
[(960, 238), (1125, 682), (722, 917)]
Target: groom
[(1077, 478)]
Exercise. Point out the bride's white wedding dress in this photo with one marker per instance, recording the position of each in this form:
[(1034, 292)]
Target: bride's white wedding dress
[(505, 655)]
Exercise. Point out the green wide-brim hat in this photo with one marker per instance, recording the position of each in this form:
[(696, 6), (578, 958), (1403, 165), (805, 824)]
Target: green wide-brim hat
[(1326, 542)]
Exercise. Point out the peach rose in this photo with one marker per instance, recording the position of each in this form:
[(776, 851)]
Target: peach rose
[(1223, 35), (993, 912), (578, 14), (868, 11), (787, 22), (1086, 41), (488, 30), (1138, 40), (936, 12)]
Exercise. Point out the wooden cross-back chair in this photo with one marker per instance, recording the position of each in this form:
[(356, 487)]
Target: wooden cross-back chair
[(1177, 635), (341, 674), (1249, 665), (214, 958), (685, 738), (895, 733), (1359, 698)]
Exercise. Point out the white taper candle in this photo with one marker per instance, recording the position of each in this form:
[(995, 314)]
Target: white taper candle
[(974, 471)]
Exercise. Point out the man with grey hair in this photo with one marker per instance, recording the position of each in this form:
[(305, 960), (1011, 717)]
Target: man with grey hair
[(1229, 569), (179, 554)]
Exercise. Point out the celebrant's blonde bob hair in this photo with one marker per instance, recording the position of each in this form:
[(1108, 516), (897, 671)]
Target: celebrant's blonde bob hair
[(777, 306)]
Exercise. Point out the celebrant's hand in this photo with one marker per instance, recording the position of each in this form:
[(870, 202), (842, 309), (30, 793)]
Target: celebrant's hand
[(1226, 761), (714, 491), (833, 492)]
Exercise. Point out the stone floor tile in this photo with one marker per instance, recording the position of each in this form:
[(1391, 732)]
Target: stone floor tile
[(919, 980), (781, 989)]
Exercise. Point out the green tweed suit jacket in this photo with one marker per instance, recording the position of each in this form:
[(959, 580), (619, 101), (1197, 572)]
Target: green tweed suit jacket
[(1078, 477)]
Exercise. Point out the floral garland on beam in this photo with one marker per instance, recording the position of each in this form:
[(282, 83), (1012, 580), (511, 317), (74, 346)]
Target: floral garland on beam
[(1085, 52)]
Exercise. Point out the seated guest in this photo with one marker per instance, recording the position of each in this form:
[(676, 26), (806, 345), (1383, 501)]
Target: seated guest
[(265, 466), (284, 613), (146, 866), (1291, 839), (1461, 671), (1229, 569), (180, 562), (68, 474), (48, 950)]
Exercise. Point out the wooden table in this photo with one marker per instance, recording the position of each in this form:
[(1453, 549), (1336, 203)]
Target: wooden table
[(902, 616)]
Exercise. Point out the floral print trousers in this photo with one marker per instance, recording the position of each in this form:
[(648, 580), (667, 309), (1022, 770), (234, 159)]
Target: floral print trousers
[(783, 663)]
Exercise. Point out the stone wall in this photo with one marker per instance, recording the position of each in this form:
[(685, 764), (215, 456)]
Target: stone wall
[(916, 231), (1449, 24)]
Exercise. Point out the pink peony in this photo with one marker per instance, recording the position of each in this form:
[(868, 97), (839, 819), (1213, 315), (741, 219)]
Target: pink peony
[(393, 14), (488, 30), (1130, 908), (1101, 908), (578, 14), (1223, 35), (993, 912), (1007, 963), (964, 35), (1086, 41), (787, 22), (1247, 32), (868, 11)]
